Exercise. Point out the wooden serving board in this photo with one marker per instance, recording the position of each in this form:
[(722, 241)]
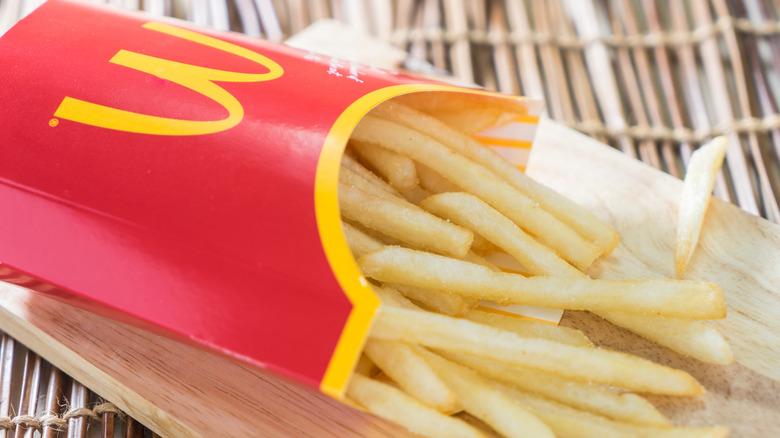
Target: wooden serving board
[(179, 391)]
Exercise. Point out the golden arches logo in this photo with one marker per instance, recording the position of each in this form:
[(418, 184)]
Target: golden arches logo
[(199, 79)]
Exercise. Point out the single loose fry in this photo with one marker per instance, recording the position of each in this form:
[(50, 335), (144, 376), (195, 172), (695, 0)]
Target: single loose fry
[(569, 212), (411, 372), (396, 169), (582, 363), (592, 397), (471, 212), (487, 403), (691, 338), (392, 404), (691, 299), (567, 421), (697, 191), (529, 328), (475, 179), (406, 223)]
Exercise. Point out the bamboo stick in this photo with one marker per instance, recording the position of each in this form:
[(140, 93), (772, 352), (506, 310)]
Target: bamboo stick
[(765, 191), (418, 46), (724, 110), (600, 67), (581, 84), (432, 25), (382, 18), (525, 51), (355, 16), (403, 19), (646, 73), (77, 423), (483, 67), (247, 15), (669, 88), (627, 75), (460, 47), (560, 99), (7, 347), (506, 72), (28, 395), (337, 10), (53, 403), (298, 15), (272, 29)]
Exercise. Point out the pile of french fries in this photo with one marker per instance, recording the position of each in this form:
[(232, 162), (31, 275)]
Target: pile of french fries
[(422, 205)]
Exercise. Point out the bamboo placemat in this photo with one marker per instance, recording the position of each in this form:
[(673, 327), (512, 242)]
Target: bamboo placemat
[(655, 79)]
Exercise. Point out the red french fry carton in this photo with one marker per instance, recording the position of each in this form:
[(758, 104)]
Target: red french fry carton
[(184, 181)]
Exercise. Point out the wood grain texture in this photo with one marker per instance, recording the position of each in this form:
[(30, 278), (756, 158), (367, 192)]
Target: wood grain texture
[(179, 391)]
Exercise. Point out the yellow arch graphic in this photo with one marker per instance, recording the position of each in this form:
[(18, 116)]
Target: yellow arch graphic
[(364, 301), (199, 79)]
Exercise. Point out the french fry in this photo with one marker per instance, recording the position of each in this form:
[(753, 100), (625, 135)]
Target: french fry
[(351, 178), (478, 424), (394, 405), (470, 120), (691, 338), (487, 403), (595, 398), (406, 223), (396, 169), (570, 422), (439, 301), (477, 259), (391, 297), (365, 366), (416, 194), (348, 162), (359, 242), (470, 212), (696, 194), (477, 180), (482, 246), (691, 299), (581, 363), (432, 181), (529, 328), (580, 219), (412, 373), (439, 102)]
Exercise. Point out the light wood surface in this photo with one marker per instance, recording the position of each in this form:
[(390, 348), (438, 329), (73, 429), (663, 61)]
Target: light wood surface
[(179, 391)]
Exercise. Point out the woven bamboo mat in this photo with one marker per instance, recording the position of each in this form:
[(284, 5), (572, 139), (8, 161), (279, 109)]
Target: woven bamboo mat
[(653, 78)]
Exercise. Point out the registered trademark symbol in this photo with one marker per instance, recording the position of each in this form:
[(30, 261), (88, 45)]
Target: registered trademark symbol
[(54, 122)]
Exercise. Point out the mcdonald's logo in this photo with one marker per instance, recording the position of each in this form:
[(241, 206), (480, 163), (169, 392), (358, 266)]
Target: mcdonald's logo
[(199, 79)]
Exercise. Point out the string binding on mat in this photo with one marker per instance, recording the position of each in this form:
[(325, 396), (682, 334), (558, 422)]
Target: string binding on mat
[(55, 422), (681, 135), (401, 37)]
